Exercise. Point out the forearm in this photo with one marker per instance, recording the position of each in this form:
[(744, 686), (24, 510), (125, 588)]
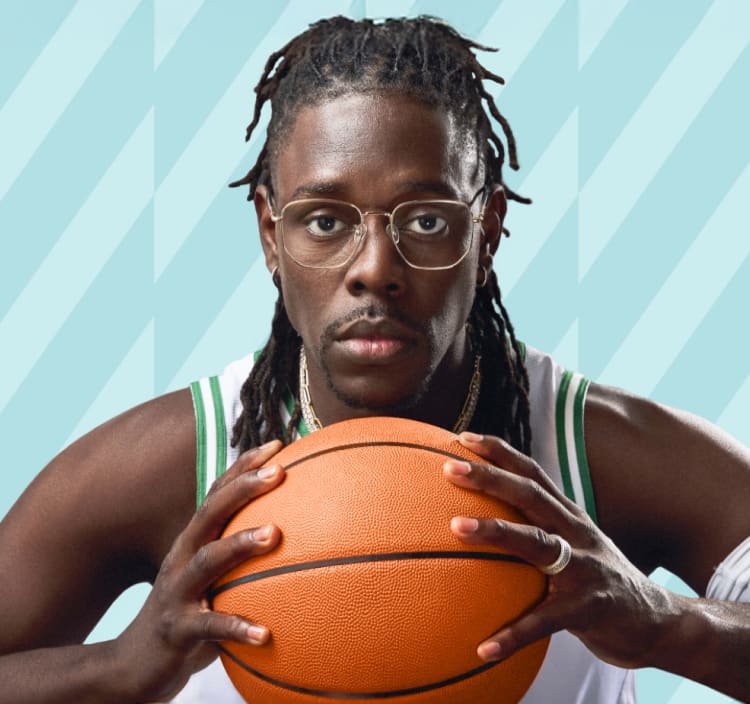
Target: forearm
[(86, 674), (708, 641)]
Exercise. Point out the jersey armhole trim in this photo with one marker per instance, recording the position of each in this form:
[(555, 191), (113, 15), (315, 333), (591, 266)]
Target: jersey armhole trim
[(221, 426), (200, 443), (580, 441), (571, 446), (211, 435)]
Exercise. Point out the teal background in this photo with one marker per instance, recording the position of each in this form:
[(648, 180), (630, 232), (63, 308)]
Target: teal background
[(127, 268)]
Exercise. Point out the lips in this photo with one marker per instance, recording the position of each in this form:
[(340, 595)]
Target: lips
[(374, 329), (377, 340)]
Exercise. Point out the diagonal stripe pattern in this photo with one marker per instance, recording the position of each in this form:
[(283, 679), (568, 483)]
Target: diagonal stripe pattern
[(127, 268)]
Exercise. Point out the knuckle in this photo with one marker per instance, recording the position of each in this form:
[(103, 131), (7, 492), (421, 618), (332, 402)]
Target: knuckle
[(531, 494), (542, 538), (167, 626), (202, 559), (601, 602)]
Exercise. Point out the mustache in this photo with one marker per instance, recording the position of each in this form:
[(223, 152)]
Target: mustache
[(372, 311)]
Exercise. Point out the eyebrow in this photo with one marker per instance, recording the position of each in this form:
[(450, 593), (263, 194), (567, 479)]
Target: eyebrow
[(331, 188)]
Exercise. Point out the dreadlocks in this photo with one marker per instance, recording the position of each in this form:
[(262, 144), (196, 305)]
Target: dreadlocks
[(429, 60)]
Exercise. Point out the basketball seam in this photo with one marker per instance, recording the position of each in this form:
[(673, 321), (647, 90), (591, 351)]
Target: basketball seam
[(374, 443), (360, 559), (358, 695)]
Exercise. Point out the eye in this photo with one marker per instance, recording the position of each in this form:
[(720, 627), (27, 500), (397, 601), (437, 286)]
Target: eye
[(425, 223), (323, 225), (329, 221)]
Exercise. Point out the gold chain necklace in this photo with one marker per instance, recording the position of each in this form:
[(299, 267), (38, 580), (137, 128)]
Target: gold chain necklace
[(464, 418)]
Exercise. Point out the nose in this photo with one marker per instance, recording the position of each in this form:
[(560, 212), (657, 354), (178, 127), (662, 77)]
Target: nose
[(377, 266)]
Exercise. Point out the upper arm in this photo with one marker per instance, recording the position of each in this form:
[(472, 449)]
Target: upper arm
[(97, 519), (672, 490)]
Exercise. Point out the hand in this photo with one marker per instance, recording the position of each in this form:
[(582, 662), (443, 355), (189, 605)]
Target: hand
[(172, 636), (600, 596)]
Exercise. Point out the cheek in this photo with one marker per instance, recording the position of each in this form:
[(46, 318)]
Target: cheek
[(305, 294), (452, 300)]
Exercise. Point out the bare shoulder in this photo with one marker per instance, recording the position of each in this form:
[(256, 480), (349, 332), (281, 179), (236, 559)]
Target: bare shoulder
[(671, 488), (100, 517)]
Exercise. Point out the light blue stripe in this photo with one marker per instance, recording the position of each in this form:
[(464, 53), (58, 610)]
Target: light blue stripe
[(75, 154), (541, 94), (652, 47), (179, 115), (528, 28), (661, 121), (595, 18), (543, 303), (83, 355), (235, 340), (669, 215), (170, 19), (686, 296), (24, 31), (62, 279), (23, 125), (714, 362), (128, 385), (553, 186), (211, 159)]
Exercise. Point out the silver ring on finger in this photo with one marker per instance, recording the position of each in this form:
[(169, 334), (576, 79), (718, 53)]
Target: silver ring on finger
[(562, 559)]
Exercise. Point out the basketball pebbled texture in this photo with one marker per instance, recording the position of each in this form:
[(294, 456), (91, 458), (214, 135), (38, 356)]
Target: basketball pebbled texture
[(369, 596)]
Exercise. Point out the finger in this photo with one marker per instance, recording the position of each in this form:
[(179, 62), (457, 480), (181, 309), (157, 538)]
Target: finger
[(530, 543), (209, 520), (251, 459), (546, 619), (216, 558), (502, 454), (533, 500), (215, 626)]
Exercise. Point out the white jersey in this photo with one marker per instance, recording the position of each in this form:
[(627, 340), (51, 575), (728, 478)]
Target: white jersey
[(570, 672)]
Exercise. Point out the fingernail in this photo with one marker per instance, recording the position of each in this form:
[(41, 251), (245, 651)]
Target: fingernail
[(471, 437), (257, 634), (262, 534), (459, 469), (464, 525), (267, 445), (268, 472), (490, 651)]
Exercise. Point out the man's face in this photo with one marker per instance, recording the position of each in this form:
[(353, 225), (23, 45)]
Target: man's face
[(376, 330)]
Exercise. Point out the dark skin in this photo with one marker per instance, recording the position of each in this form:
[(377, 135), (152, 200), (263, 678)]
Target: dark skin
[(118, 506)]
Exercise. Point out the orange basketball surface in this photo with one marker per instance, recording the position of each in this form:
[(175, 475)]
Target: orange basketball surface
[(369, 595)]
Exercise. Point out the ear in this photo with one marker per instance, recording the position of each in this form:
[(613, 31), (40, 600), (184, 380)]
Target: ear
[(492, 223), (266, 227)]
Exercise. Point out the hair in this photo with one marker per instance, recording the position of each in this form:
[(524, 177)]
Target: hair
[(429, 60)]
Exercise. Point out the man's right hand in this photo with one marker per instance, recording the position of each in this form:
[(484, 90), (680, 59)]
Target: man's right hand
[(174, 633)]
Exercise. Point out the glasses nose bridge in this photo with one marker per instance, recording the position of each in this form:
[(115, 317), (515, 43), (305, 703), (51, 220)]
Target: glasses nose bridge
[(387, 214)]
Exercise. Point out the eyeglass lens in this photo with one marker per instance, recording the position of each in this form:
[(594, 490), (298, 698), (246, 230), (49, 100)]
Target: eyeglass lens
[(428, 234)]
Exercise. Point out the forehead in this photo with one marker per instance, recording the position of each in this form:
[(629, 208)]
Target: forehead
[(372, 148)]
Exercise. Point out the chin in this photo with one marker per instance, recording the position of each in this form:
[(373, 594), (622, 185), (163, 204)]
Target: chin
[(379, 403)]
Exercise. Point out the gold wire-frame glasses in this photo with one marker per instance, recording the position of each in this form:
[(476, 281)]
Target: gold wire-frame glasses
[(322, 233)]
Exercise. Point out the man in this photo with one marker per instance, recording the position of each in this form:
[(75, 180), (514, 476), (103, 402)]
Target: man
[(380, 143)]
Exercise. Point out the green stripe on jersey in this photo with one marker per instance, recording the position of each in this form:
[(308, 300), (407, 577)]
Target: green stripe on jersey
[(562, 447), (522, 346), (200, 435), (583, 462), (221, 426)]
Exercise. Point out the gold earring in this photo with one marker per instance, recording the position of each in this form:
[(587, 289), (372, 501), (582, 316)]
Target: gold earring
[(484, 280)]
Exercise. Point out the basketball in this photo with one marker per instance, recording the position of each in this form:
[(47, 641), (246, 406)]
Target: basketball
[(369, 595)]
